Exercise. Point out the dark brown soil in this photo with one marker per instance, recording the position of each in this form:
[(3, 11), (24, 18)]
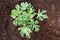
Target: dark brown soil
[(50, 28)]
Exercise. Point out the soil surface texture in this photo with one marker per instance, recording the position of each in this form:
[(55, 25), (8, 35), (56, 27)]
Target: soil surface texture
[(49, 28)]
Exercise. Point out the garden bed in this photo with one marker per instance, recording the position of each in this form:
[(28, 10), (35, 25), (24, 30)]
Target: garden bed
[(49, 30)]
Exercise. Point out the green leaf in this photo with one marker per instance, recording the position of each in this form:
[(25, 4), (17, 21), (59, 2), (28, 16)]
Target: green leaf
[(18, 21), (17, 6), (30, 10), (43, 11), (36, 22), (15, 13), (26, 31), (32, 15), (28, 35), (30, 26), (22, 33), (41, 19), (24, 5), (36, 27), (19, 28), (15, 22), (25, 15), (41, 15), (31, 22), (45, 16)]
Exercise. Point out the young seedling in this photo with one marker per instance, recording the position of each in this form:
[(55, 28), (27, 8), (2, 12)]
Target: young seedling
[(23, 16)]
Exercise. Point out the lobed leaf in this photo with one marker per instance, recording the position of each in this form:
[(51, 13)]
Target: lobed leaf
[(25, 31), (41, 15)]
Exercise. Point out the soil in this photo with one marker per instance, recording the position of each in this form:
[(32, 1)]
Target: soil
[(49, 30)]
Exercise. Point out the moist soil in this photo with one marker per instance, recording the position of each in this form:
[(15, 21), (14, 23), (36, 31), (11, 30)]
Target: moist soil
[(49, 28)]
